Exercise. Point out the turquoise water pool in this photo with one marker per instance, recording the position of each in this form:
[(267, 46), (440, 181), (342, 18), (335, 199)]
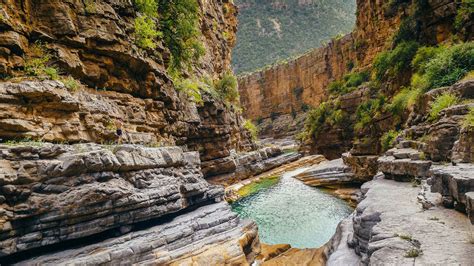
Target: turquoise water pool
[(292, 213)]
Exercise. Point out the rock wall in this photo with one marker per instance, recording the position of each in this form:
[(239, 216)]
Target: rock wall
[(288, 89), (121, 82), (55, 196)]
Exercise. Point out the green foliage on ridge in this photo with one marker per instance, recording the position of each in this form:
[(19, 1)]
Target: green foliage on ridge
[(442, 102), (270, 31)]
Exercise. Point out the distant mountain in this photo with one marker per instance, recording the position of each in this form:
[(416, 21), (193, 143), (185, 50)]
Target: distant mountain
[(272, 30)]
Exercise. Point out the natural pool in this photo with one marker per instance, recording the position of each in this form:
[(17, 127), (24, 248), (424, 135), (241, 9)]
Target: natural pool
[(292, 213)]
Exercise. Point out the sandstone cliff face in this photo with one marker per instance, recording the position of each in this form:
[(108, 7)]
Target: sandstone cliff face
[(64, 196), (289, 88), (94, 44)]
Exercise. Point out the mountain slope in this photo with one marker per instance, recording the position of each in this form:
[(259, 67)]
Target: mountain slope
[(273, 30)]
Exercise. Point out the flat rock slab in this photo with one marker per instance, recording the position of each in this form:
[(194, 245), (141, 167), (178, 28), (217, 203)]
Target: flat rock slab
[(328, 173), (390, 223)]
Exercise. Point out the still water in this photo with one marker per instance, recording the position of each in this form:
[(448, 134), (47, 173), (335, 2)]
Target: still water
[(292, 213)]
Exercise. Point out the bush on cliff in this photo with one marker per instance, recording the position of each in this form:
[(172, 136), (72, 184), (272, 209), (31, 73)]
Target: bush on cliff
[(468, 122), (36, 63), (441, 102), (179, 22), (446, 65), (191, 88), (147, 7), (393, 62), (248, 125), (145, 32), (326, 114), (388, 139), (368, 111), (403, 100), (349, 83), (226, 87)]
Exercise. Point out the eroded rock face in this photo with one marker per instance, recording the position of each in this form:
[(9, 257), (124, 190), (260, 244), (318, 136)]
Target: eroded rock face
[(391, 228), (55, 193), (453, 183), (95, 43), (213, 234), (285, 89)]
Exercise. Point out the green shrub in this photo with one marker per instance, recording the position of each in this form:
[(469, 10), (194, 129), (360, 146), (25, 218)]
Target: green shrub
[(147, 7), (71, 84), (391, 63), (403, 100), (349, 83), (423, 56), (388, 139), (464, 12), (248, 125), (36, 63), (179, 22), (90, 6), (468, 122), (191, 88), (226, 87), (449, 65), (368, 111), (326, 114), (442, 102), (145, 32)]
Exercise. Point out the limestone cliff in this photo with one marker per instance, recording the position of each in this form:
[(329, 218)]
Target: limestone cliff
[(121, 81), (69, 184), (286, 90)]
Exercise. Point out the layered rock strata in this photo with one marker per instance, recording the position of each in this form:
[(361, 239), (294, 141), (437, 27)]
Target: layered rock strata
[(56, 193), (388, 233), (210, 235), (289, 88), (244, 165), (94, 42)]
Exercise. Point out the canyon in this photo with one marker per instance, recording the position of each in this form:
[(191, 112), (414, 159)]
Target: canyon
[(126, 167)]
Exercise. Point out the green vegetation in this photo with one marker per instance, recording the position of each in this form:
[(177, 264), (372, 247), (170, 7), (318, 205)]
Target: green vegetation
[(227, 88), (368, 111), (388, 139), (179, 22), (71, 84), (147, 7), (464, 13), (349, 83), (191, 88), (90, 6), (446, 65), (442, 102), (36, 63), (405, 237), (251, 128), (403, 100), (145, 32), (269, 33), (25, 141), (254, 187), (413, 253), (327, 113), (393, 62), (468, 122)]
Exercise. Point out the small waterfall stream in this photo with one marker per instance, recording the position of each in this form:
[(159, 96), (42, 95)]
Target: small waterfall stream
[(293, 213)]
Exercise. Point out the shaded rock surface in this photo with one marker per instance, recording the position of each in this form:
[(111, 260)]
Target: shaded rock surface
[(209, 235), (55, 193), (453, 183)]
